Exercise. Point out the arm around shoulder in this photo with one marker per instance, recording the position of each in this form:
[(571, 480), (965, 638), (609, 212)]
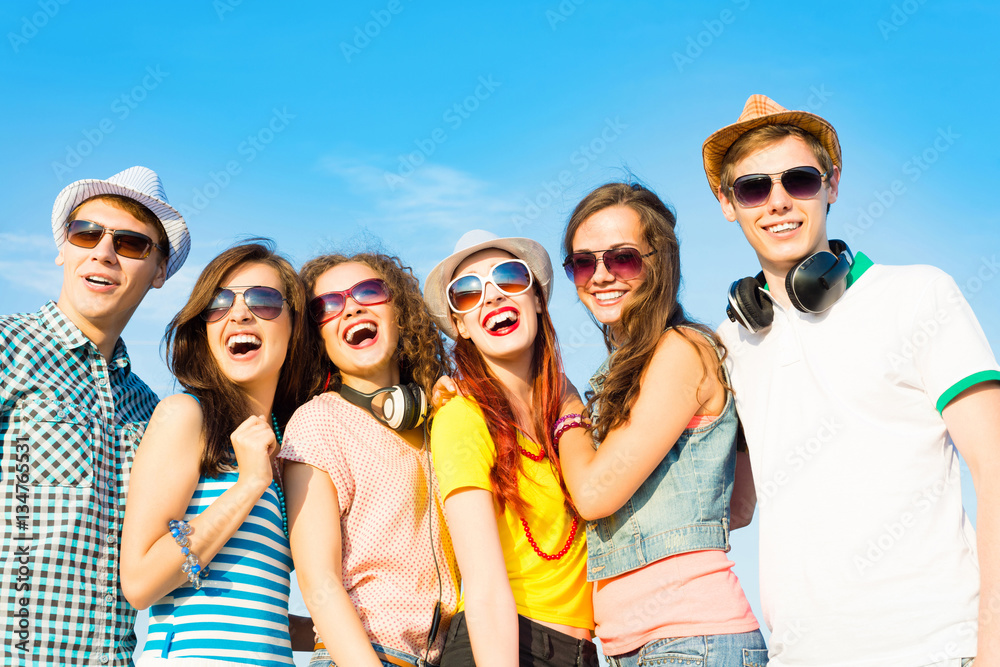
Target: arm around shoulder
[(676, 385)]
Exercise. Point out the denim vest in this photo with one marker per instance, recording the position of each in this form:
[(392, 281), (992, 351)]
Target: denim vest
[(682, 506)]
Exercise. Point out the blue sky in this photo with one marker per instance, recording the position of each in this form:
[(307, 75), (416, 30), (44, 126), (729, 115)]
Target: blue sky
[(338, 126)]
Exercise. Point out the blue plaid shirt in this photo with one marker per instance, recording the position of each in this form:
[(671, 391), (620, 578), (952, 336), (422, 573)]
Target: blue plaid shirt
[(70, 422)]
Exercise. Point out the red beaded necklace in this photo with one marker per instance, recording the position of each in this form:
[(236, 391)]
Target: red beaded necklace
[(534, 457), (524, 524), (542, 554)]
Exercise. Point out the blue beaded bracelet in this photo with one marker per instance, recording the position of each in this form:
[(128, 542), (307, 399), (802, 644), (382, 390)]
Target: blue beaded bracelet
[(194, 571)]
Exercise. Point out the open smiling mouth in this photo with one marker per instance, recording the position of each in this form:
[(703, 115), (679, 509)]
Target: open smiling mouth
[(784, 227), (243, 344), (502, 322), (97, 280), (361, 333)]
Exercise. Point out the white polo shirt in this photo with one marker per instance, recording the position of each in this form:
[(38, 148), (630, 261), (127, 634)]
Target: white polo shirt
[(867, 557)]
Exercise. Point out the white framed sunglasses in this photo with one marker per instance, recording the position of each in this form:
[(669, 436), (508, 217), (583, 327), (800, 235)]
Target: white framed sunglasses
[(467, 292)]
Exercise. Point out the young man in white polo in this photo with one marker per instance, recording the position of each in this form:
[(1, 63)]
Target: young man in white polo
[(71, 415), (856, 383)]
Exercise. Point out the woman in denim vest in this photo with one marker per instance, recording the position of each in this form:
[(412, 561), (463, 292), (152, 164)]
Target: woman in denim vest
[(657, 490)]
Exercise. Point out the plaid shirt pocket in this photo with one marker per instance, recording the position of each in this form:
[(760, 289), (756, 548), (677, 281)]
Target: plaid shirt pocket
[(60, 440)]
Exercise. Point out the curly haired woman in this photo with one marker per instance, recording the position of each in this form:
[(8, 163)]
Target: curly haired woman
[(379, 580)]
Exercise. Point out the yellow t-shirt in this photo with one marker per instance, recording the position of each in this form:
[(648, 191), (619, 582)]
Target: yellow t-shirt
[(555, 591)]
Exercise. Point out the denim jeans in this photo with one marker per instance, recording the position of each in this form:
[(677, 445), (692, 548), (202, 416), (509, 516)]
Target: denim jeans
[(538, 645), (321, 658), (746, 649)]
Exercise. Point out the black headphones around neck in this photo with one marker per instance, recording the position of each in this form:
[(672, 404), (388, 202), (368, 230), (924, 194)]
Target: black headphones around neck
[(813, 285), (401, 407)]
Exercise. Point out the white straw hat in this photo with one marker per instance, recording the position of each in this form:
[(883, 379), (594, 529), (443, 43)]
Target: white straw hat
[(472, 242), (138, 183)]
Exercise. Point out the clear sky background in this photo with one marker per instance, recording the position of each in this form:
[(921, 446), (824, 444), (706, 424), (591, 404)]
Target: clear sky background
[(402, 124)]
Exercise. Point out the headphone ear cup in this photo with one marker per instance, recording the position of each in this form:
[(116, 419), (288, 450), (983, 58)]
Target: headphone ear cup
[(751, 310), (420, 402), (815, 283), (405, 407), (790, 284)]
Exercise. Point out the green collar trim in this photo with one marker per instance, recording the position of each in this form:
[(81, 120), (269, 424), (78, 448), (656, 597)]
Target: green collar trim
[(861, 264)]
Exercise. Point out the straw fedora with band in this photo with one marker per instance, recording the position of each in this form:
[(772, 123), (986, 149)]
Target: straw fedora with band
[(532, 252), (761, 110), (140, 184)]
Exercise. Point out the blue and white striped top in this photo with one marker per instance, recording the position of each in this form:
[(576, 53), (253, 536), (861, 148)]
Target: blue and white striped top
[(240, 615)]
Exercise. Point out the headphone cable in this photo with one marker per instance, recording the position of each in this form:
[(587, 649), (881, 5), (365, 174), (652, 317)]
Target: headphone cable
[(431, 507)]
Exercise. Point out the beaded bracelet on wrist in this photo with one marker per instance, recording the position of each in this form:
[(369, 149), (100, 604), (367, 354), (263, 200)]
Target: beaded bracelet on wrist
[(572, 415), (562, 429), (194, 571)]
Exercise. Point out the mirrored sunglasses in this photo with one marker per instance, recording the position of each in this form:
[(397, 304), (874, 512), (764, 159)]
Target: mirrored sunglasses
[(264, 302), (330, 305), (798, 182), (622, 263), (510, 277), (87, 234)]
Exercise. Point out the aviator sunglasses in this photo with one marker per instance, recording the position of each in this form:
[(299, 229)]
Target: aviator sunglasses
[(330, 305), (87, 234), (511, 277), (622, 263), (799, 182), (263, 302)]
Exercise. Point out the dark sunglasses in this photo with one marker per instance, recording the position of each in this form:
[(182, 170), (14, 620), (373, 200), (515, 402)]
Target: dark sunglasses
[(799, 182), (326, 307), (511, 277), (622, 263), (87, 234), (263, 302)]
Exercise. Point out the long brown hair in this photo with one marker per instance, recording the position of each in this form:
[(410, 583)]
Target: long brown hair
[(421, 353), (652, 307), (224, 404), (546, 379)]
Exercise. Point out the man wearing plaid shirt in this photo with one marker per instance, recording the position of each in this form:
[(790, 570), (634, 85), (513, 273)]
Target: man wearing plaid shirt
[(71, 415)]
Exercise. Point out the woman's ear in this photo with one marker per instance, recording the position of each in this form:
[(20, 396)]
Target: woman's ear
[(460, 326)]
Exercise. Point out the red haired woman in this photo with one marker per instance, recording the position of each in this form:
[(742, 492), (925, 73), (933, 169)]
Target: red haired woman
[(518, 540)]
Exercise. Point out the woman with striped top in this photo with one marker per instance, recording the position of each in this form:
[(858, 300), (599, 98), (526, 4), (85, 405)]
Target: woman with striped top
[(205, 535)]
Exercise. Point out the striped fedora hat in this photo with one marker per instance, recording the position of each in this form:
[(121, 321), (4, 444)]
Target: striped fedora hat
[(761, 110), (138, 183)]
